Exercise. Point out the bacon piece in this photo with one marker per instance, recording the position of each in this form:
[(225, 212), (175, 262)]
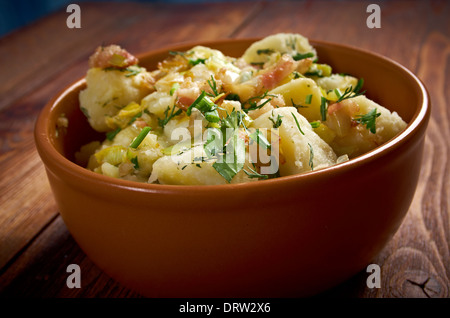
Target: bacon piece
[(111, 56), (276, 73)]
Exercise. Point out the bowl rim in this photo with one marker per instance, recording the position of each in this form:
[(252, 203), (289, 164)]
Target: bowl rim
[(49, 154)]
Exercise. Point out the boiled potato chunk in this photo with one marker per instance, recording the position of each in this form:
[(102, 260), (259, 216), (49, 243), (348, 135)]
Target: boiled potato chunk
[(187, 169), (158, 102), (355, 140), (334, 81), (107, 92), (301, 152), (297, 91), (281, 43)]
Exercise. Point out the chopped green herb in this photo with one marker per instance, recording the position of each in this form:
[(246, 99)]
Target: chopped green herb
[(111, 134), (202, 103), (212, 116), (177, 53), (311, 156), (255, 175), (133, 119), (253, 102), (257, 63), (183, 167), (358, 86), (214, 142), (175, 86), (236, 150), (233, 96), (297, 105), (167, 117), (198, 165), (85, 112), (135, 162), (301, 56), (352, 92), (297, 74), (109, 101), (197, 61), (212, 83), (132, 71), (323, 108), (260, 139), (369, 120), (276, 121), (338, 93), (137, 141), (298, 125), (264, 51), (308, 99), (291, 42), (317, 73), (315, 124)]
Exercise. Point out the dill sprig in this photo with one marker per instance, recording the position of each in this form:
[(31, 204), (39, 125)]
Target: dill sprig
[(167, 117), (351, 92), (369, 120)]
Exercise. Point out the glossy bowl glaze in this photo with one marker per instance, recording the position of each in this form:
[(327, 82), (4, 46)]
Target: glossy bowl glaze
[(286, 237)]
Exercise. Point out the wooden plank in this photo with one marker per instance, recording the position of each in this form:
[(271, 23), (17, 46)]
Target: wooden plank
[(21, 219), (415, 263), (42, 270), (416, 34), (35, 54)]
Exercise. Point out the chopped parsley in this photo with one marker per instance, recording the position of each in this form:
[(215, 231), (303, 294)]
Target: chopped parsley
[(234, 150)]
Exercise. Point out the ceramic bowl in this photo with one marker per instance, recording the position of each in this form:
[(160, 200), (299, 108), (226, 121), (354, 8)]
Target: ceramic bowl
[(287, 237)]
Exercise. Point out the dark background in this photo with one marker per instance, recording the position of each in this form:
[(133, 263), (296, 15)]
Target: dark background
[(15, 14)]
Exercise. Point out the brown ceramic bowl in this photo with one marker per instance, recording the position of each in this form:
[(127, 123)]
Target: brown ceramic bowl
[(286, 237)]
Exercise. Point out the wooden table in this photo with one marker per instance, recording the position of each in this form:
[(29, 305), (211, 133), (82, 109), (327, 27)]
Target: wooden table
[(41, 59)]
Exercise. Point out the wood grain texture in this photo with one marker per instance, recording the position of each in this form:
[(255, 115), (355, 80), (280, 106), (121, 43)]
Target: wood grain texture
[(35, 246)]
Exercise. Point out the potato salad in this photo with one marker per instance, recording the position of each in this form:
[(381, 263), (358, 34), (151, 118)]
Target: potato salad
[(204, 118)]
